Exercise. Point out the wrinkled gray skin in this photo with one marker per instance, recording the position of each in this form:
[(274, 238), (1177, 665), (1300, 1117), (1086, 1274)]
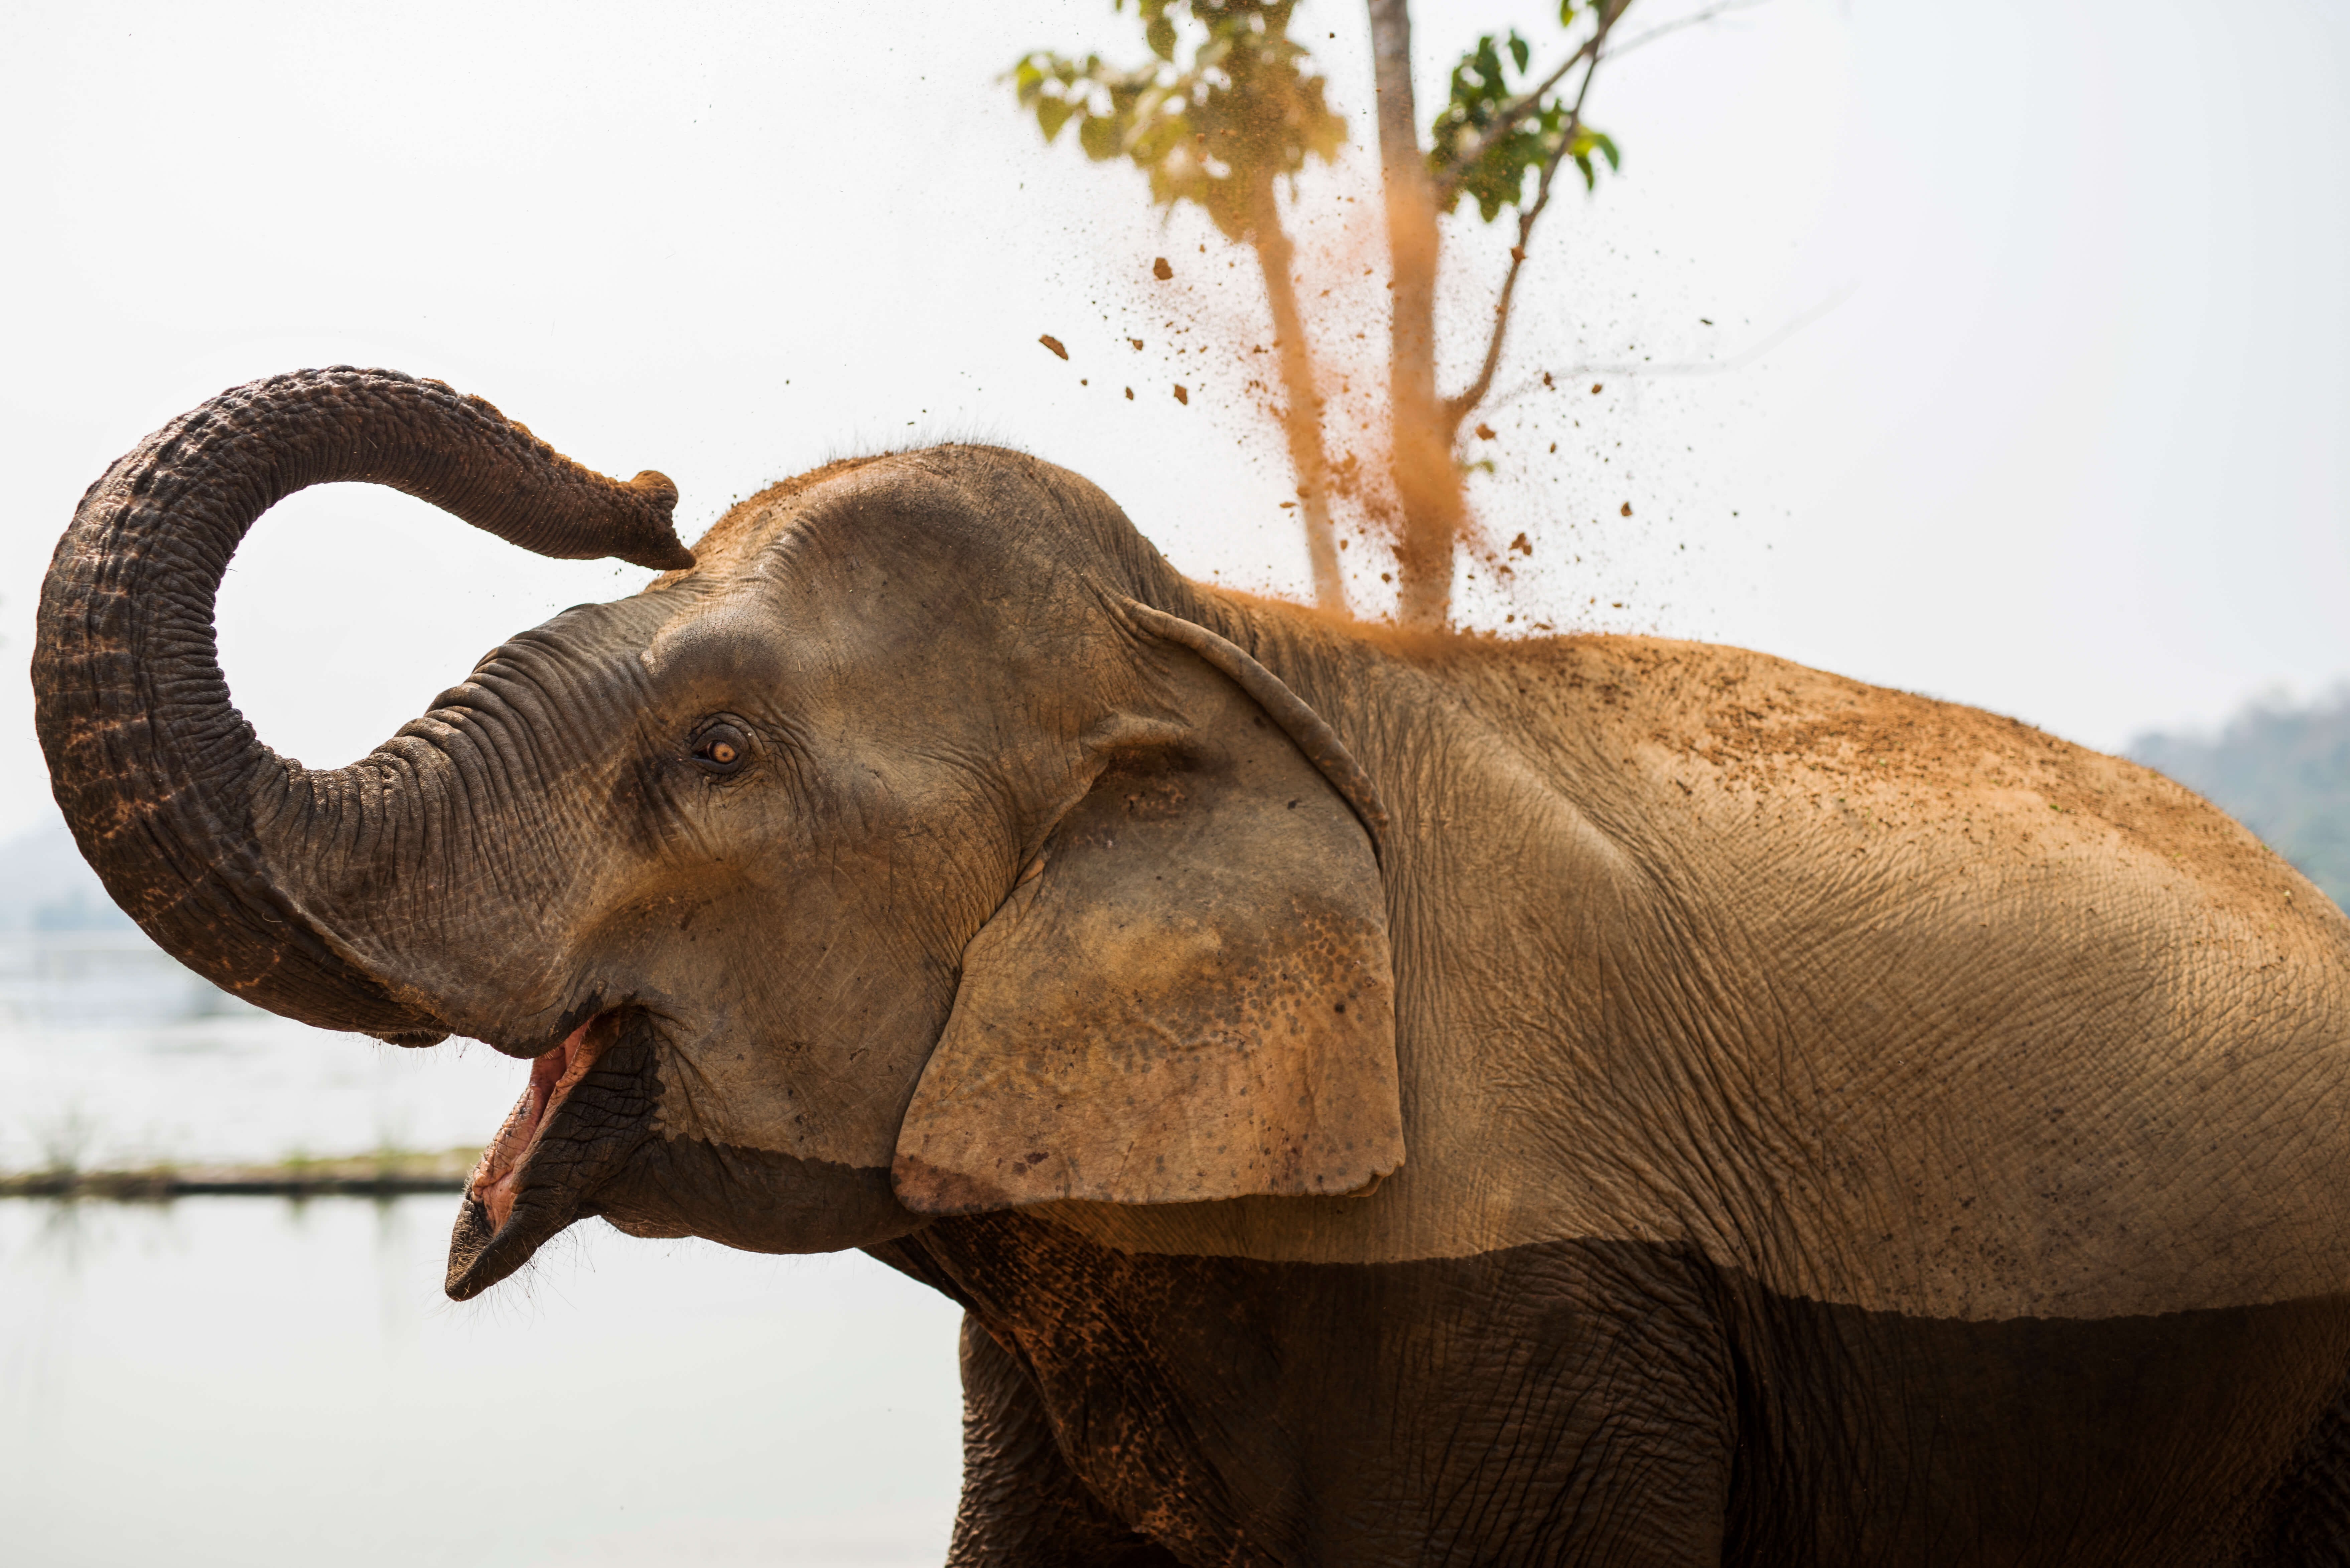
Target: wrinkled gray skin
[(1838, 1127)]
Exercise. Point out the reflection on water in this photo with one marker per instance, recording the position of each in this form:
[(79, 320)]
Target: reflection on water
[(89, 975), (252, 1382), (257, 1383), (246, 1086), (112, 1054)]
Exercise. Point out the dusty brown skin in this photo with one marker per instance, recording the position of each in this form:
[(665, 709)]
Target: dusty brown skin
[(1378, 1099)]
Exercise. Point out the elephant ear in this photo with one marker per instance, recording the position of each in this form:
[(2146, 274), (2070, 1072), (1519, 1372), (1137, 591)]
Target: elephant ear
[(1189, 995)]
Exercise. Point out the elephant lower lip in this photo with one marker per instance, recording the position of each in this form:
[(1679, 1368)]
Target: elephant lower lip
[(588, 1108), (553, 1075)]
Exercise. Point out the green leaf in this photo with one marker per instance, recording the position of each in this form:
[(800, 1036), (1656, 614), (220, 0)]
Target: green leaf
[(1211, 127), (1607, 145), (1590, 178), (1097, 134), (1519, 50)]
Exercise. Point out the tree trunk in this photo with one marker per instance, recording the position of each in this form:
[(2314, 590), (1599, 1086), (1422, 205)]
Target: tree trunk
[(1302, 416), (1427, 480)]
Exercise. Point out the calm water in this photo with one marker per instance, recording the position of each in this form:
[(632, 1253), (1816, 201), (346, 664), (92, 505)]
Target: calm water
[(253, 1382), (238, 1086)]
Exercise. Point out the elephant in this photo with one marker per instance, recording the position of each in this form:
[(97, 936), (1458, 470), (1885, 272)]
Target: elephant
[(1377, 1095)]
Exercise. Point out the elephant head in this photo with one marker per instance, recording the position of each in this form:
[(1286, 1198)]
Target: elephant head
[(916, 845)]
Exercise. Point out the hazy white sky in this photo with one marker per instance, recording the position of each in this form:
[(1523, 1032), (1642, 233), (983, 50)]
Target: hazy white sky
[(2070, 446)]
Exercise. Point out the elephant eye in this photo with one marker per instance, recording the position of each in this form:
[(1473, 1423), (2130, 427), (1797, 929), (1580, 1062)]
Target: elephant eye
[(721, 748)]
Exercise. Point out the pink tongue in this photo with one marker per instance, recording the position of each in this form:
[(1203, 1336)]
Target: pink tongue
[(494, 1178)]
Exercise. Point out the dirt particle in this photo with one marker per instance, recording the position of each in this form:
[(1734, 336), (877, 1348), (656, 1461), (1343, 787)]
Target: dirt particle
[(1523, 546), (1182, 396), (1161, 270), (1594, 388), (1049, 341), (1138, 344), (1129, 394), (1484, 433), (1628, 509)]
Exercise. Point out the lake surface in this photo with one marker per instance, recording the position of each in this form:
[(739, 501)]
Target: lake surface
[(256, 1382), (235, 1085)]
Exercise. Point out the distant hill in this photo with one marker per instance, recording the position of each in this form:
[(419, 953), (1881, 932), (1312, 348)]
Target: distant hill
[(47, 886), (70, 959), (2283, 772)]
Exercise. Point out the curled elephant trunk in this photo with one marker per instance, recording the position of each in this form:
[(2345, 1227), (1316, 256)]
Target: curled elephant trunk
[(224, 851)]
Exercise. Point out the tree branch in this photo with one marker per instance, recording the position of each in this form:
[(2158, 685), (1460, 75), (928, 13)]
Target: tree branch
[(1526, 102), (1737, 361), (1457, 408), (1694, 19), (1511, 112), (1300, 416), (1420, 457)]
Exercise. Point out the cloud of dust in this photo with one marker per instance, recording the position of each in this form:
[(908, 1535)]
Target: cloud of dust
[(1547, 501)]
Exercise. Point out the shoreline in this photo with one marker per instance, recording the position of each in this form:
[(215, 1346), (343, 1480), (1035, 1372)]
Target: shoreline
[(392, 1173)]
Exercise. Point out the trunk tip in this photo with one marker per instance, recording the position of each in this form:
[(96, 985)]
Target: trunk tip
[(666, 552)]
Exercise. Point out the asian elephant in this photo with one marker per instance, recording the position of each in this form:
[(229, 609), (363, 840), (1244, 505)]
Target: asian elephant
[(1377, 1097)]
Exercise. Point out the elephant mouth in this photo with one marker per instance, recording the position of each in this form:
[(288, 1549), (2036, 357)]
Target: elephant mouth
[(588, 1107), (553, 1076)]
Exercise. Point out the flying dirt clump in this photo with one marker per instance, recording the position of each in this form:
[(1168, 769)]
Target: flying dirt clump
[(1231, 115)]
